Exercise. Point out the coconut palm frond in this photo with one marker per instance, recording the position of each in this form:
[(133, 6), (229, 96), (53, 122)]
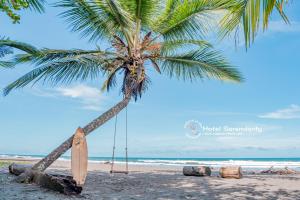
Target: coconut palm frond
[(97, 19), (179, 44), (200, 63), (143, 10), (63, 71), (247, 14), (5, 50), (49, 55), (142, 87), (6, 64), (111, 79), (166, 14), (37, 5), (189, 19), (44, 56), (155, 65), (18, 45), (57, 66)]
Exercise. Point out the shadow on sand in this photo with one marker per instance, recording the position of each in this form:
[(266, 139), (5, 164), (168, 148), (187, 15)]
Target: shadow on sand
[(162, 185)]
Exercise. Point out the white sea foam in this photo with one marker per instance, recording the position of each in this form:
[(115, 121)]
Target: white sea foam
[(4, 156), (261, 163), (212, 163)]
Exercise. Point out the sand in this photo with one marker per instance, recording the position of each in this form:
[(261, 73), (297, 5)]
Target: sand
[(155, 182)]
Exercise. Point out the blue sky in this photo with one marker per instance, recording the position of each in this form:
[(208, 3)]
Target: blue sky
[(36, 119)]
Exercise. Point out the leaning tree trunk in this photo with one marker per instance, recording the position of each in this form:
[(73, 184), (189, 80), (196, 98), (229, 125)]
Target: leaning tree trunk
[(56, 153)]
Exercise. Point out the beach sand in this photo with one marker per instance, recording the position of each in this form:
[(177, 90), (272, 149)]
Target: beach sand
[(154, 182)]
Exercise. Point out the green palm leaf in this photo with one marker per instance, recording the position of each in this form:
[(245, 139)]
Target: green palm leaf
[(6, 64), (3, 52), (63, 71), (49, 55), (37, 5), (188, 19), (111, 79), (18, 45), (174, 45), (97, 19), (57, 66), (248, 14), (42, 56), (144, 10), (199, 63)]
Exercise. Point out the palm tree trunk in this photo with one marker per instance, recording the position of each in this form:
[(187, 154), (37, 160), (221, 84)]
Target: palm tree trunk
[(56, 153)]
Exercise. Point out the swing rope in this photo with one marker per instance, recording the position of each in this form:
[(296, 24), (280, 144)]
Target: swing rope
[(114, 147), (126, 149)]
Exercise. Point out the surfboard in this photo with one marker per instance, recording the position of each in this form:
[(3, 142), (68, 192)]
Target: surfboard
[(79, 158)]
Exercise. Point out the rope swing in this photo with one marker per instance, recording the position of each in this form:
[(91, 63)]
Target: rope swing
[(114, 146)]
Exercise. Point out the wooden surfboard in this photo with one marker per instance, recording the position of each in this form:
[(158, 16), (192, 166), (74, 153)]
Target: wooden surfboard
[(79, 159)]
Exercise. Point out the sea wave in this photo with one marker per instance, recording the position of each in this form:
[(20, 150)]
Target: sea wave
[(7, 156), (245, 163), (212, 163)]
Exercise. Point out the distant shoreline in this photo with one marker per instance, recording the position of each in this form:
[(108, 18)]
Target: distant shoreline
[(245, 163)]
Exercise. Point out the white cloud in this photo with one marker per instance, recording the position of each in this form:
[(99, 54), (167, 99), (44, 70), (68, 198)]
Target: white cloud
[(281, 26), (79, 91), (90, 97), (292, 112), (213, 113)]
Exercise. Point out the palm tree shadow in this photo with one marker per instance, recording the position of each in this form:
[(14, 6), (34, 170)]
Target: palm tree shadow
[(176, 186), (167, 185)]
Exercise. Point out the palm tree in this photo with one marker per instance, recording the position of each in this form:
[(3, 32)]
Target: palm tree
[(165, 35)]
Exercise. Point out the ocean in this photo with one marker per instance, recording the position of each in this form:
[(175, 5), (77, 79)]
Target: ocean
[(251, 163)]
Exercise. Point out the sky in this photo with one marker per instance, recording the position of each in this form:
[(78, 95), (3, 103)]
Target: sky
[(173, 118)]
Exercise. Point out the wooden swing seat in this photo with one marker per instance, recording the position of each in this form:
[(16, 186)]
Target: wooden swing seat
[(118, 172)]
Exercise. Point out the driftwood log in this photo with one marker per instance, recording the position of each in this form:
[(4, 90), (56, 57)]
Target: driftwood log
[(196, 171), (61, 183), (231, 172), (284, 171), (18, 169)]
